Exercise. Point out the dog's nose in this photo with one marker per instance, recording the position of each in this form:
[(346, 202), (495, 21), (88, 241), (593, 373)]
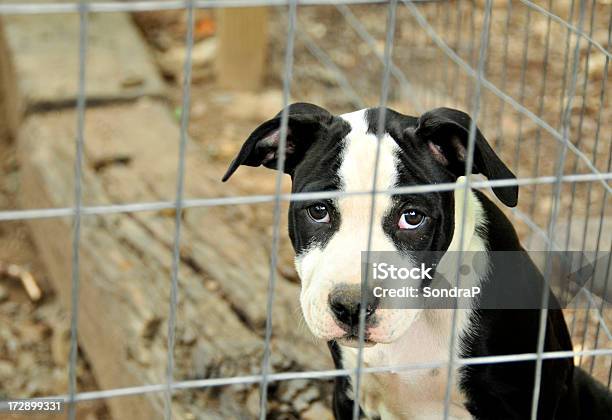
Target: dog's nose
[(345, 303)]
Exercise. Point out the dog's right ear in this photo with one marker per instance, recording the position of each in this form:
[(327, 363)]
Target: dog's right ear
[(261, 148)]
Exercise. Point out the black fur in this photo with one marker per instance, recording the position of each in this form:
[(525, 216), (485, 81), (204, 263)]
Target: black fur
[(341, 403), (306, 123), (504, 390)]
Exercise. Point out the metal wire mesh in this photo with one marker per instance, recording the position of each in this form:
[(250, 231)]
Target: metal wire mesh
[(465, 79)]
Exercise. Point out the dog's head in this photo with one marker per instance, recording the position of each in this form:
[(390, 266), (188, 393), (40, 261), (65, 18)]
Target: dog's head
[(328, 153)]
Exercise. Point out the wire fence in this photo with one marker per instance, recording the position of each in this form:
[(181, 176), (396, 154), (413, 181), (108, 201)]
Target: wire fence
[(568, 108)]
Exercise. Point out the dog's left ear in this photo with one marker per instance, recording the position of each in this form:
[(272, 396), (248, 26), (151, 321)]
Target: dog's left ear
[(446, 132), (261, 148)]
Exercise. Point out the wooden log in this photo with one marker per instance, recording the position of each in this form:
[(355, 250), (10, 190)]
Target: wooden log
[(228, 244), (131, 155), (39, 62), (242, 47)]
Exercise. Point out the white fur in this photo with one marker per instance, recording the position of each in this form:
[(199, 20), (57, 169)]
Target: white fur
[(419, 394), (320, 269)]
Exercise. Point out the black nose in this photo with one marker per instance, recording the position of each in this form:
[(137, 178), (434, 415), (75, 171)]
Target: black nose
[(345, 303)]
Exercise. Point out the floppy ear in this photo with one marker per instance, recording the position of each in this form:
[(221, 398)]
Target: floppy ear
[(446, 132), (261, 148)]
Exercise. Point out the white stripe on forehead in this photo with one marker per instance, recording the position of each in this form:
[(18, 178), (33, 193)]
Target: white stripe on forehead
[(358, 159)]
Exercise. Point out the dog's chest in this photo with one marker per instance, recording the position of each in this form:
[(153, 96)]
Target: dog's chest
[(408, 393)]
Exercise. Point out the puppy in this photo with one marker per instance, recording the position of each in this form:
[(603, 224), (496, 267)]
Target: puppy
[(325, 152)]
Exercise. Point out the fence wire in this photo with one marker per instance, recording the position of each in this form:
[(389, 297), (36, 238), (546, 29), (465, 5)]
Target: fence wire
[(280, 168), (178, 214), (474, 66), (78, 202)]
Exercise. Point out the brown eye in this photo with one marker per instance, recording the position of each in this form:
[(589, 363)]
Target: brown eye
[(411, 219), (319, 213)]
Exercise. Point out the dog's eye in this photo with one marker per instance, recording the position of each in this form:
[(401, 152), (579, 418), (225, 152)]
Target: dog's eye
[(319, 213), (411, 219)]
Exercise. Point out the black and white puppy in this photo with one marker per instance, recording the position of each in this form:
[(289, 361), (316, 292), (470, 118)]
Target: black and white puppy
[(328, 153)]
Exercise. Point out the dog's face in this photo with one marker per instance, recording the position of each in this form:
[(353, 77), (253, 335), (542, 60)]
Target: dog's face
[(338, 153)]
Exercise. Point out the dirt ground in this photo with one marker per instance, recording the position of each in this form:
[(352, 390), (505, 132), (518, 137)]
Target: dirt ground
[(33, 350), (34, 340)]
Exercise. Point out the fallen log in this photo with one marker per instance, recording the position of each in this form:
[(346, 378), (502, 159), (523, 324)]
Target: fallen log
[(39, 56), (131, 155)]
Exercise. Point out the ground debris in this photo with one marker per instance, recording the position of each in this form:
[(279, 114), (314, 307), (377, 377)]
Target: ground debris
[(27, 279)]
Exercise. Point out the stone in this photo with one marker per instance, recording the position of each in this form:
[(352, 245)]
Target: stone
[(303, 400), (4, 294), (317, 411), (287, 390), (172, 62), (252, 403), (7, 369)]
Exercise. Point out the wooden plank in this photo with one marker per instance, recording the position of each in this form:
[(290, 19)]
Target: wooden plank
[(242, 47), (39, 62), (131, 154), (42, 186), (237, 264)]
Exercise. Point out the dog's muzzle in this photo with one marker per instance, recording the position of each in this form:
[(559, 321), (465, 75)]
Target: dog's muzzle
[(345, 305)]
